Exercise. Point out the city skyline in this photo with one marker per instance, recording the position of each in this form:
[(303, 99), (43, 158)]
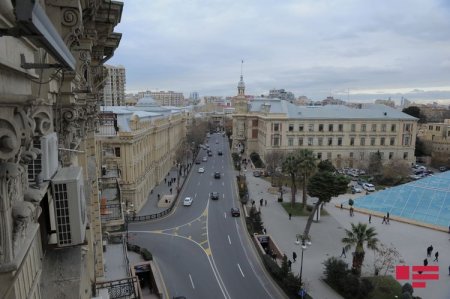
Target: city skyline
[(314, 48)]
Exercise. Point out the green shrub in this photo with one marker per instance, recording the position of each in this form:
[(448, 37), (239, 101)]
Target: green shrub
[(335, 270), (406, 295), (256, 159), (349, 286), (365, 288), (407, 288), (291, 283), (146, 255), (350, 202), (272, 267)]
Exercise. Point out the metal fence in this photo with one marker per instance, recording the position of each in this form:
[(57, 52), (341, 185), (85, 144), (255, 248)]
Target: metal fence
[(126, 288)]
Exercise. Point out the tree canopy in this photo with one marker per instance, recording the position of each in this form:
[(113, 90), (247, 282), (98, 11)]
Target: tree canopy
[(415, 111)]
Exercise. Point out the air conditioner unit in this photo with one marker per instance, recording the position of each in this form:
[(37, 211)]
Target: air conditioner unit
[(46, 162), (69, 206)]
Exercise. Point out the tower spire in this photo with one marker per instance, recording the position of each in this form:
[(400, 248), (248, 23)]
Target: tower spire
[(241, 84)]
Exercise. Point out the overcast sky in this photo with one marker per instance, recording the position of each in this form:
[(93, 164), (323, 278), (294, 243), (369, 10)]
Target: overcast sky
[(356, 49)]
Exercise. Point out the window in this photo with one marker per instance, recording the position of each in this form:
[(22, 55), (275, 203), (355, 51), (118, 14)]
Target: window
[(405, 155), (383, 128), (290, 141), (363, 127), (254, 133), (437, 128), (372, 141), (382, 141), (391, 155), (361, 155), (319, 156), (117, 151), (330, 127), (393, 128), (300, 141), (374, 127), (320, 127), (406, 140), (353, 128), (291, 127), (320, 141), (363, 141), (350, 155), (300, 127), (430, 128), (310, 141), (352, 141), (330, 141), (408, 127), (392, 141), (276, 127), (276, 140), (311, 127), (339, 141), (341, 128), (329, 156), (255, 123)]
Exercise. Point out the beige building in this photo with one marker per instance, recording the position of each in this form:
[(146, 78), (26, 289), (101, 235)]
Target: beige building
[(346, 136), (141, 142), (165, 98), (114, 90), (436, 137), (51, 73)]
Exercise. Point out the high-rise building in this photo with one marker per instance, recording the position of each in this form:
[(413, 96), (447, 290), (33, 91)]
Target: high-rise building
[(114, 90), (281, 94)]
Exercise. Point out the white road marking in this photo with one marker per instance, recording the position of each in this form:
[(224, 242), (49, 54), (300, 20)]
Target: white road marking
[(229, 240), (223, 195), (198, 183), (239, 270), (195, 194), (223, 183), (225, 214), (192, 282)]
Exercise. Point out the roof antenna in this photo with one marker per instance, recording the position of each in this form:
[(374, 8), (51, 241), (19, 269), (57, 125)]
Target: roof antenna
[(242, 62)]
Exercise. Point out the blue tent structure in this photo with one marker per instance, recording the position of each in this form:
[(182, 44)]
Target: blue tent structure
[(426, 200)]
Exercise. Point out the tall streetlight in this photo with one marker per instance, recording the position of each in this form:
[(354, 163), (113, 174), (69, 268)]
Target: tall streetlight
[(305, 243)]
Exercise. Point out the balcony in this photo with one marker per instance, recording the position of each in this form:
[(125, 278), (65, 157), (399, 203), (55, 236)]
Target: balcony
[(111, 207)]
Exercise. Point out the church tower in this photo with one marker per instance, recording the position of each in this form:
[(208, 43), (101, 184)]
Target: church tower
[(240, 101), (240, 105)]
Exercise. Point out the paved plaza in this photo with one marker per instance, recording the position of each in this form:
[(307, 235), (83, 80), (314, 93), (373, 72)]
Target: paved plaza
[(410, 240)]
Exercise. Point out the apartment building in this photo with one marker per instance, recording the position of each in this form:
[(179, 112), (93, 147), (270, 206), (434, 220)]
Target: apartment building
[(165, 98), (436, 137), (346, 136), (114, 90)]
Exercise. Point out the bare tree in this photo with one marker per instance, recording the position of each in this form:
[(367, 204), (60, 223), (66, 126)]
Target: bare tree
[(394, 172), (273, 162), (196, 135), (386, 258)]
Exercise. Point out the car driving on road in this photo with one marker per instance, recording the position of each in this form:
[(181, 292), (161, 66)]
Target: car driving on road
[(201, 170), (187, 201), (217, 175), (214, 195), (235, 212)]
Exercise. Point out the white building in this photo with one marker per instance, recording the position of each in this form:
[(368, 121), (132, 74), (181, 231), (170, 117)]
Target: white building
[(114, 90)]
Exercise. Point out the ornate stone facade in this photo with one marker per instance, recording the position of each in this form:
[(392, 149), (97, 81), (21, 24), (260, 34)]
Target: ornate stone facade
[(42, 94)]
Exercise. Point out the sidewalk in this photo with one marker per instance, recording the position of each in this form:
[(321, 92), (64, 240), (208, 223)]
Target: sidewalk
[(411, 241), (151, 206)]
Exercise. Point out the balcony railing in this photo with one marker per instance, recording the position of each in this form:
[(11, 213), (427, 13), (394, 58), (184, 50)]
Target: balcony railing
[(126, 288)]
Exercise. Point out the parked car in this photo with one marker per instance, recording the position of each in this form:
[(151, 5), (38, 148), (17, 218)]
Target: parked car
[(219, 153), (205, 158), (256, 173), (442, 168), (369, 187), (356, 189), (201, 170), (415, 177), (217, 141), (217, 175), (187, 201), (198, 161), (235, 212), (214, 195), (209, 154)]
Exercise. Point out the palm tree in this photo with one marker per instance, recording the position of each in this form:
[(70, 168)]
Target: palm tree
[(358, 236), (290, 166), (307, 166)]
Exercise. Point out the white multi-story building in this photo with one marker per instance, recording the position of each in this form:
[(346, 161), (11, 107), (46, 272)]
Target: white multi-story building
[(114, 90), (164, 98)]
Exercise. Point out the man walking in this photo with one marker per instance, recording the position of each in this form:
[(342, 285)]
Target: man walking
[(387, 218), (384, 220), (294, 256), (265, 202), (261, 202), (290, 265), (290, 215), (370, 218), (436, 257), (343, 252)]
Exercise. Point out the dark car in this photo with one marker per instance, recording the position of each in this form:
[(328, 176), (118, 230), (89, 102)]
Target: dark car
[(197, 162), (256, 173), (235, 212), (209, 153), (214, 195), (219, 153), (217, 175)]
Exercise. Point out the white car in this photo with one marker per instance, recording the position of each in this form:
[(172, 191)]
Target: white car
[(205, 159), (369, 187), (187, 201), (201, 170)]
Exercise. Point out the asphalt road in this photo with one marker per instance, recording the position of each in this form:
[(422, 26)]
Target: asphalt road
[(201, 250)]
